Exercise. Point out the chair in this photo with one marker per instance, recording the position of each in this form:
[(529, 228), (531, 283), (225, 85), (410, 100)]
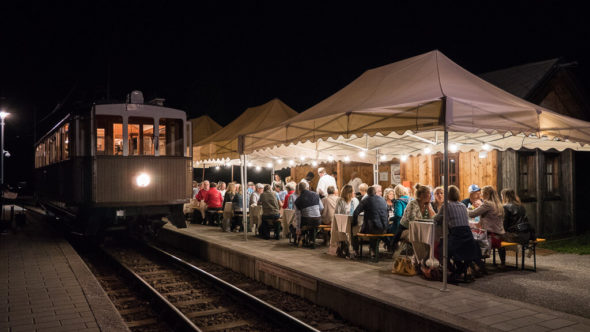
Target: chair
[(255, 216), (228, 213), (288, 224)]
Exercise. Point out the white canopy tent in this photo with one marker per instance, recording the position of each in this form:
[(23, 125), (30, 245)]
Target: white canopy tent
[(422, 102)]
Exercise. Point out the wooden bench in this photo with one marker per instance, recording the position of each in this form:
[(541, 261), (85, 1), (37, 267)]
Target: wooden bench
[(532, 245), (325, 230), (362, 238)]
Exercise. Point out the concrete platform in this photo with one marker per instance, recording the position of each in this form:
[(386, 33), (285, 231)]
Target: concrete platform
[(367, 294), (45, 285)]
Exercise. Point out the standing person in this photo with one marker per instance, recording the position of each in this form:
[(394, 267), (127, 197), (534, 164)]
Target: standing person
[(290, 191), (463, 249), (474, 200), (280, 192), (308, 208), (346, 204), (329, 203), (277, 180), (355, 182), (491, 214), (270, 213), (419, 208), (325, 181), (439, 199), (375, 218)]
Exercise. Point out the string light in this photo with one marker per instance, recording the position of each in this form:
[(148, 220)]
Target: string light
[(279, 161), (346, 158), (486, 147), (427, 150), (302, 158), (217, 168), (330, 158), (453, 148), (404, 157), (291, 162), (249, 164), (382, 157), (269, 165), (314, 163), (258, 168), (362, 154), (483, 154)]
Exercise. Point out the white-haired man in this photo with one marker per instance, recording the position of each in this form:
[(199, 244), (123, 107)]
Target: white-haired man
[(325, 181)]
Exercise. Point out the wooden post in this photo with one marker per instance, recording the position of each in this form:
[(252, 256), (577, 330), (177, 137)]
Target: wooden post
[(339, 174)]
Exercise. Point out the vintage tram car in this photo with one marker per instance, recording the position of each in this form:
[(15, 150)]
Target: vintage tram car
[(116, 165)]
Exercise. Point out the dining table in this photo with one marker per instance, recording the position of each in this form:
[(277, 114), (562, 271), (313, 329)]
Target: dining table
[(424, 235)]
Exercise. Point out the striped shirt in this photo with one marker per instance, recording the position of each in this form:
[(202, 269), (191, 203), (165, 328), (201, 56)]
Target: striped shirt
[(457, 215)]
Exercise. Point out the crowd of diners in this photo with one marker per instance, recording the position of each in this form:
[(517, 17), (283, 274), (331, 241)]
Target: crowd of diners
[(387, 211)]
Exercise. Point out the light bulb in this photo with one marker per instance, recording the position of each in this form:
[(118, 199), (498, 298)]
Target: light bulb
[(302, 158), (404, 157), (382, 157), (362, 154), (314, 163), (346, 158), (453, 148), (217, 168), (269, 165), (291, 162), (486, 147), (483, 154), (330, 158), (279, 161), (258, 168), (427, 150)]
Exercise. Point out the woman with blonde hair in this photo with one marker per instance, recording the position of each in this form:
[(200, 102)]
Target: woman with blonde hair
[(439, 199), (419, 208), (346, 204), (491, 214)]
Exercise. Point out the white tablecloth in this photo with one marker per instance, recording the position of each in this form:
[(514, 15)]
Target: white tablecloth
[(288, 219), (422, 236)]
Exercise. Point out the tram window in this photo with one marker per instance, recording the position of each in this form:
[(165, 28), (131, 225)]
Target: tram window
[(109, 135), (65, 142), (141, 136), (171, 137)]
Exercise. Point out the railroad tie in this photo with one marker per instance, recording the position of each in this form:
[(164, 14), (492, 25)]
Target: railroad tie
[(204, 313), (225, 326)]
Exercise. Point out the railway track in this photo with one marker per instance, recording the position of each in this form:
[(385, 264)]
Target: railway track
[(186, 297)]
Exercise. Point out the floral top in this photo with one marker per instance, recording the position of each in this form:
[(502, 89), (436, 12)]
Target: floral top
[(412, 213)]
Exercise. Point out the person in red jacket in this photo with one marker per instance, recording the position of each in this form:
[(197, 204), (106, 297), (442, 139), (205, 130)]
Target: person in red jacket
[(214, 202), (202, 194), (290, 191)]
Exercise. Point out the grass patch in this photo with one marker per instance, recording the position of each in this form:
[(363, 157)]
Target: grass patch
[(579, 244)]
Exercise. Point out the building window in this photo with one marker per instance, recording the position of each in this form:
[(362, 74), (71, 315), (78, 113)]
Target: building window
[(439, 170), (552, 175), (527, 186)]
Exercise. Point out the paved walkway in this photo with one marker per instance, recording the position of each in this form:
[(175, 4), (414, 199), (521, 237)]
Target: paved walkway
[(45, 285), (461, 307)]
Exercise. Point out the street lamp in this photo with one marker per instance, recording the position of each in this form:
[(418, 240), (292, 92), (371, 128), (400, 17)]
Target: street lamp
[(3, 115)]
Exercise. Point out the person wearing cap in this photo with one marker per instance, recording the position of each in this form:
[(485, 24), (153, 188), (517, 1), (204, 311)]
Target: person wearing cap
[(326, 180), (256, 194), (474, 200)]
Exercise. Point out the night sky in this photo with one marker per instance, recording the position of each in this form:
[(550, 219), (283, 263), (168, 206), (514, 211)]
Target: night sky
[(220, 59)]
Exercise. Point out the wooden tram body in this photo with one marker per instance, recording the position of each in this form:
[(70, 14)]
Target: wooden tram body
[(114, 165)]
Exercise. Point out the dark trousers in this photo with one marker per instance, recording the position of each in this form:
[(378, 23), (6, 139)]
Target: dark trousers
[(238, 222), (268, 222), (212, 216), (397, 236), (309, 227)]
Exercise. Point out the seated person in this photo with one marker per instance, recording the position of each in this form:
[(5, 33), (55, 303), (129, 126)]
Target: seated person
[(419, 208), (491, 214), (474, 200), (375, 218), (237, 221), (308, 208), (516, 224), (329, 203), (214, 202), (462, 247), (270, 213), (290, 191)]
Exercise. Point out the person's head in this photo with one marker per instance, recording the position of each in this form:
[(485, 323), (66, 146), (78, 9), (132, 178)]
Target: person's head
[(259, 188), (237, 188), (267, 187), (302, 186), (474, 192), (378, 189), (363, 188), (510, 196), (251, 185), (389, 195), (331, 190), (288, 179), (347, 193), (213, 185), (231, 188), (354, 175), (321, 171), (221, 185), (206, 185), (195, 184), (491, 195), (277, 177), (290, 186), (278, 187), (439, 195), (371, 191), (400, 191), (309, 176), (422, 193), (454, 194)]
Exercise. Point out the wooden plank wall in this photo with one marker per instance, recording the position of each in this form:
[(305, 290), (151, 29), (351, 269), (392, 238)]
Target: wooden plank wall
[(115, 176), (365, 172)]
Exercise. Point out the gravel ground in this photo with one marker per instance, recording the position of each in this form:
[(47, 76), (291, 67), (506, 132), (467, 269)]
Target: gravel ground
[(562, 282)]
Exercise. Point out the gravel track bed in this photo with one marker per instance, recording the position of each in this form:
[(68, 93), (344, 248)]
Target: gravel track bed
[(319, 317)]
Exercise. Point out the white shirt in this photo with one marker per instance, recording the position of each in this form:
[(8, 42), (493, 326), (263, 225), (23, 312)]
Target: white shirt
[(355, 183), (323, 184)]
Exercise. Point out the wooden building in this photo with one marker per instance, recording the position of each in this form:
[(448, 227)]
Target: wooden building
[(545, 180)]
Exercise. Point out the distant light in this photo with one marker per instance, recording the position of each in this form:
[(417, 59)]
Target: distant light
[(314, 163), (427, 150), (249, 164), (269, 165), (143, 180), (217, 168), (404, 157), (483, 154), (383, 157), (453, 148), (362, 154), (291, 162), (302, 158), (279, 161), (3, 114), (346, 158), (330, 158), (486, 147), (258, 168)]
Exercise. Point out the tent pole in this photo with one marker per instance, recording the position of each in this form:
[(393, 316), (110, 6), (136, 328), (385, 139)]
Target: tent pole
[(244, 170), (232, 173), (446, 209), (203, 176), (376, 168)]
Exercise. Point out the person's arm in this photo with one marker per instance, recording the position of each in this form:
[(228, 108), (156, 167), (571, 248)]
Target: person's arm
[(479, 211), (431, 212), (321, 206), (360, 208), (440, 215)]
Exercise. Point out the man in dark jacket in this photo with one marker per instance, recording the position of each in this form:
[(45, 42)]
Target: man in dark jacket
[(375, 218)]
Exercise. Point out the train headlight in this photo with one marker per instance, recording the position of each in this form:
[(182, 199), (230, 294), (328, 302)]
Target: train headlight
[(143, 180)]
